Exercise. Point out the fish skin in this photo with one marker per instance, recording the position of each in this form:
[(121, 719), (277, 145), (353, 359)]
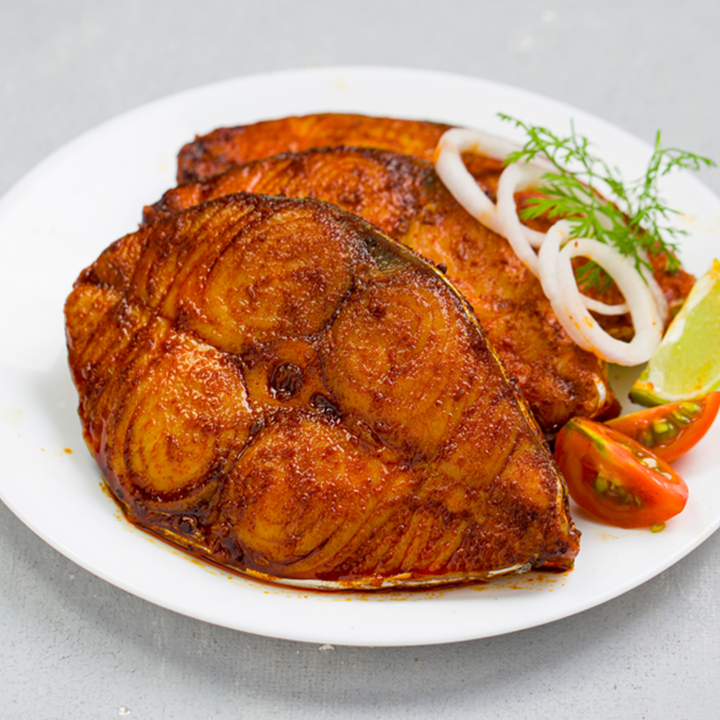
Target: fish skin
[(403, 196), (422, 466)]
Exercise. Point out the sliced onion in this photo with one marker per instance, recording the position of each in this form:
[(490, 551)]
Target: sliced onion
[(515, 178), (645, 300), (450, 167), (654, 286), (501, 218), (522, 239), (602, 308), (558, 282), (601, 387), (464, 140)]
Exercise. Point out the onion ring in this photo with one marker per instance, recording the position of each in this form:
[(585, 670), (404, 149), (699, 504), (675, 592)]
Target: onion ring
[(645, 300), (450, 167), (601, 308), (516, 177), (464, 140), (558, 282)]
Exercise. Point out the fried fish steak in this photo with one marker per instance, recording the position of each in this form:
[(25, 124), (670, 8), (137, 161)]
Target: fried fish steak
[(404, 197), (227, 146), (277, 387)]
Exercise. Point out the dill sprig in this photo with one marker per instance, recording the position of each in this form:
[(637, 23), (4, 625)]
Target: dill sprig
[(598, 203)]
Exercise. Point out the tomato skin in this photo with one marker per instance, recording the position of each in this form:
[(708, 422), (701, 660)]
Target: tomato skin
[(670, 430), (615, 478)]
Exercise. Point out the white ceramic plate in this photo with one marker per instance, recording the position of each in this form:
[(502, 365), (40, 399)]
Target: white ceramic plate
[(64, 213)]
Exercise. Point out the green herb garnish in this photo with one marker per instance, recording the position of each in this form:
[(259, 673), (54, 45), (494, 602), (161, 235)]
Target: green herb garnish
[(634, 218)]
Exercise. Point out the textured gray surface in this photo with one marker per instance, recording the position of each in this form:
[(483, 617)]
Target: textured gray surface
[(72, 646)]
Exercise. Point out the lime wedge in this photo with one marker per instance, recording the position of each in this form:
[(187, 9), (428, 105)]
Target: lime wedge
[(686, 364)]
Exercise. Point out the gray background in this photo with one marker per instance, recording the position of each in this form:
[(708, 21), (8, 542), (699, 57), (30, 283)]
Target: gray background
[(72, 646)]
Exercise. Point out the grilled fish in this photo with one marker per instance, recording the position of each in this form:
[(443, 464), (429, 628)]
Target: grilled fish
[(403, 196), (276, 386)]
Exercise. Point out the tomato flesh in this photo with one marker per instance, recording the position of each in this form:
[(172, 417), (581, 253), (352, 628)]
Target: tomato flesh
[(670, 430), (615, 478)]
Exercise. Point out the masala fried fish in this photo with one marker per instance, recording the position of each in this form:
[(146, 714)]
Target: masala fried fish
[(403, 196), (276, 386), (224, 147), (218, 150)]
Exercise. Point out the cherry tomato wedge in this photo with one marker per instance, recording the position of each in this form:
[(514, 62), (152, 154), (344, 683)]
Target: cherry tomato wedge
[(670, 430), (616, 479)]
